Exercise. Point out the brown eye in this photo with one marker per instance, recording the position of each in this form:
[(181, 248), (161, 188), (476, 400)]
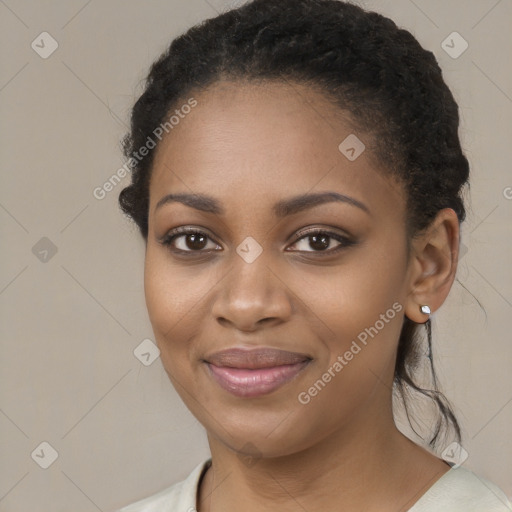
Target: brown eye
[(188, 240), (321, 241)]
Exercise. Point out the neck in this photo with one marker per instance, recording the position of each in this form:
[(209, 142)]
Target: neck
[(359, 466)]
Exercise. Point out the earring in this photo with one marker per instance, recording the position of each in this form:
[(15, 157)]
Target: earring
[(425, 309)]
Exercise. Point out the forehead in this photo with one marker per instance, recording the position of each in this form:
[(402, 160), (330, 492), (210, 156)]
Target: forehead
[(265, 140)]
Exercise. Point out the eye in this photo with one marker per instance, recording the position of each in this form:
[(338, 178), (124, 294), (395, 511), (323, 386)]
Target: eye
[(320, 240), (190, 239), (193, 240)]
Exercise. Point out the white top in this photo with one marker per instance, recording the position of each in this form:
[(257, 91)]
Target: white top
[(458, 490)]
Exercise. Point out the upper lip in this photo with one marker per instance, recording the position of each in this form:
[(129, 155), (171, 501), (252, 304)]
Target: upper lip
[(255, 358)]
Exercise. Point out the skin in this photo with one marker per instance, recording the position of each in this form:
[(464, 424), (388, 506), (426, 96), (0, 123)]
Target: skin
[(249, 146)]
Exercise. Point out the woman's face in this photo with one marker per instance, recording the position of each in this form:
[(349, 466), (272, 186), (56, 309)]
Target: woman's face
[(267, 271)]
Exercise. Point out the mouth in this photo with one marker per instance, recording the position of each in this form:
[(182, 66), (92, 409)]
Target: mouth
[(256, 372)]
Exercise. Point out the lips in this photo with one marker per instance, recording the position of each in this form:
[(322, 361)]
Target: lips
[(255, 358), (255, 372)]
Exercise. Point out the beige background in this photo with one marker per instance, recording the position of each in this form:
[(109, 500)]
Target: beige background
[(70, 324)]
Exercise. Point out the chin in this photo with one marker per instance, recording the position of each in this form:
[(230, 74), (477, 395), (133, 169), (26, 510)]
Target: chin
[(258, 433)]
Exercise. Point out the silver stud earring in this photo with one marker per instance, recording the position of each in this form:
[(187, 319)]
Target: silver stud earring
[(425, 310)]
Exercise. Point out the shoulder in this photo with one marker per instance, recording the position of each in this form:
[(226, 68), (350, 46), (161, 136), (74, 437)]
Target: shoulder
[(180, 496), (460, 490)]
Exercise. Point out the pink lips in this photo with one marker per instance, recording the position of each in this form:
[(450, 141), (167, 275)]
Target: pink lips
[(251, 373)]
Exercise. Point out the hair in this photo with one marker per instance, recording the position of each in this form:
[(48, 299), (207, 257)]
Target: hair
[(377, 73)]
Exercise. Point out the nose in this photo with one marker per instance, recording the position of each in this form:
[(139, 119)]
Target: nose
[(252, 294)]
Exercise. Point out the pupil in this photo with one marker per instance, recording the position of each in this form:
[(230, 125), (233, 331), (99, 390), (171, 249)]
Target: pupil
[(194, 238), (319, 241)]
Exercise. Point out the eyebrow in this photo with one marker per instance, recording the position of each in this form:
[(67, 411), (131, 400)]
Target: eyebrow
[(282, 208)]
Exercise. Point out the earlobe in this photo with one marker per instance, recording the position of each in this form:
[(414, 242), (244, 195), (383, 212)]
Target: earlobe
[(421, 317), (433, 266)]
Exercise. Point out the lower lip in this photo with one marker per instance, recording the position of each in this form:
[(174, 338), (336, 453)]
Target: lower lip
[(244, 382)]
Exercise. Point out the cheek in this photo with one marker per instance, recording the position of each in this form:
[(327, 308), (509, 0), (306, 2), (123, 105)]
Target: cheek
[(365, 315), (362, 304), (175, 304), (353, 296), (367, 305)]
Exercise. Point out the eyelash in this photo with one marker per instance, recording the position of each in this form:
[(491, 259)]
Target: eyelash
[(169, 238)]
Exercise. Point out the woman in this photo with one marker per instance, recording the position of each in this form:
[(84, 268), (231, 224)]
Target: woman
[(298, 179)]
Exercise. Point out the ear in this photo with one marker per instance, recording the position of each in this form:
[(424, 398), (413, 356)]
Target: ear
[(432, 265)]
